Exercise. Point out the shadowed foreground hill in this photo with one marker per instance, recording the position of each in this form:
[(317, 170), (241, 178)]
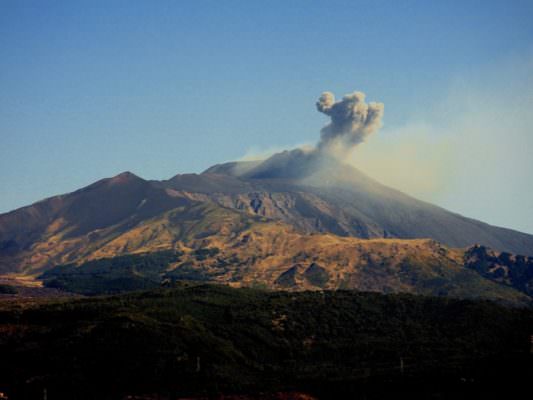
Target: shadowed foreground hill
[(209, 340)]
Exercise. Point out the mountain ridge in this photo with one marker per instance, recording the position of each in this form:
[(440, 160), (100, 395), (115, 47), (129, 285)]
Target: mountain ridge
[(127, 214)]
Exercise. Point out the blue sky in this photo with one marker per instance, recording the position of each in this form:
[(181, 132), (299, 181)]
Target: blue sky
[(89, 89)]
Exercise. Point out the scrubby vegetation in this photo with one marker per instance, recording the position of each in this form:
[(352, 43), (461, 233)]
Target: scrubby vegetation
[(8, 289), (194, 340), (374, 271), (112, 275)]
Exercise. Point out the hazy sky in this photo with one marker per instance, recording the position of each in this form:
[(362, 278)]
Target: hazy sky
[(89, 89)]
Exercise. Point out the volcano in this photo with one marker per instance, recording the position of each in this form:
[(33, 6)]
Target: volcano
[(297, 220), (310, 193)]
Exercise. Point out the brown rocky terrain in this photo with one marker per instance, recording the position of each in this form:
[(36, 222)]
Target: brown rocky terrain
[(325, 229)]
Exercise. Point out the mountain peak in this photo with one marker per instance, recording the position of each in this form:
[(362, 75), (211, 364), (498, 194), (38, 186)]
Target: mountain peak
[(124, 177), (232, 168), (292, 164), (288, 164)]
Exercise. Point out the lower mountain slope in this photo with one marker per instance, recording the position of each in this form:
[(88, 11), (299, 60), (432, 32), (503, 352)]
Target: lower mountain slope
[(231, 248)]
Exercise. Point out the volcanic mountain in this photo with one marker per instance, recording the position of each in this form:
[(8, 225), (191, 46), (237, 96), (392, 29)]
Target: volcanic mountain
[(286, 222), (318, 194)]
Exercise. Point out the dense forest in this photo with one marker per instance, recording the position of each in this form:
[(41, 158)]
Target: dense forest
[(205, 340)]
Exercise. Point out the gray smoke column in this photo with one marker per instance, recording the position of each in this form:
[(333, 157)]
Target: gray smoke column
[(352, 120)]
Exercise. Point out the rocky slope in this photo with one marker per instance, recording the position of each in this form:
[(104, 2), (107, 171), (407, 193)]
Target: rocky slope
[(325, 196), (230, 248), (289, 222)]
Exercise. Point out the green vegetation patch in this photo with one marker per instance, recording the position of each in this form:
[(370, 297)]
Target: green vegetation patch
[(8, 289), (288, 278), (205, 253), (316, 275), (112, 275)]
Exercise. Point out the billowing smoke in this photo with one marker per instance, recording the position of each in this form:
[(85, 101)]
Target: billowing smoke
[(352, 120)]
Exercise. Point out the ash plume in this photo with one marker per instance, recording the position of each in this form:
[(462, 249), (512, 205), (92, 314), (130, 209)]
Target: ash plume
[(352, 120)]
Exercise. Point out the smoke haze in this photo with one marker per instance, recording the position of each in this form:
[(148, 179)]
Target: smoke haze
[(470, 151)]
